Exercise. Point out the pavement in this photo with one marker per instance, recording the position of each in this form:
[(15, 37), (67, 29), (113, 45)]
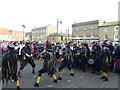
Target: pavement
[(79, 80)]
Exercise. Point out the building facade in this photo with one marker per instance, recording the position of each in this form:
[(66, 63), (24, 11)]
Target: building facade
[(110, 31), (40, 34), (17, 35), (86, 31), (28, 36), (5, 34), (60, 37)]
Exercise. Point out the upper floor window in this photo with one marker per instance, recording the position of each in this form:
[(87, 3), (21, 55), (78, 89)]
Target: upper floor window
[(84, 28), (92, 27), (105, 29), (78, 28)]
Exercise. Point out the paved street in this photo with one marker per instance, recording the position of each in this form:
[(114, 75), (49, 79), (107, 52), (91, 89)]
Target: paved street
[(80, 80)]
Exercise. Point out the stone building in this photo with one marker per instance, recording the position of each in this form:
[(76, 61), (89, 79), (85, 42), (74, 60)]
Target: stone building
[(110, 31), (86, 31), (40, 34)]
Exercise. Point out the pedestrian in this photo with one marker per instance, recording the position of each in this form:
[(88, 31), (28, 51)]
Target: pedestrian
[(48, 66), (27, 58), (116, 56), (105, 59), (9, 67), (67, 61)]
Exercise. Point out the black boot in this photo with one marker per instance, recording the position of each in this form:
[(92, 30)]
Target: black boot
[(71, 74), (105, 79), (55, 81), (18, 87), (36, 85), (33, 72), (59, 78), (19, 75)]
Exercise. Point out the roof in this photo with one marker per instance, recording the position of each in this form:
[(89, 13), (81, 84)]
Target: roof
[(86, 23), (4, 31), (18, 31), (44, 27), (110, 24)]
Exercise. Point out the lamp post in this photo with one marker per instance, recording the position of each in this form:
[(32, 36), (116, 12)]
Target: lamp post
[(23, 30), (57, 26), (67, 32)]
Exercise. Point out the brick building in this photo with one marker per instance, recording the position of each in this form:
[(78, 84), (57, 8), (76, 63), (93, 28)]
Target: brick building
[(86, 31)]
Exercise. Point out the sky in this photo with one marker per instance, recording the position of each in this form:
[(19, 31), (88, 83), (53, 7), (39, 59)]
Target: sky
[(39, 13)]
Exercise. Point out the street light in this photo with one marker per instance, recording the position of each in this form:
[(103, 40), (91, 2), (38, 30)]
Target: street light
[(67, 32), (57, 26), (23, 30)]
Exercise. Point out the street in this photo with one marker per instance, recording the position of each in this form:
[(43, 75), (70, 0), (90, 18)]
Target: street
[(79, 80)]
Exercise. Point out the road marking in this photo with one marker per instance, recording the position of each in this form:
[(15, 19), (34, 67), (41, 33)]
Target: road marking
[(68, 81), (82, 76), (50, 86)]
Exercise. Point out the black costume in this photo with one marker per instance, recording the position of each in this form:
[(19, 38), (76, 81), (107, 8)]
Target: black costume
[(48, 67), (67, 62), (97, 61), (9, 67), (105, 59), (27, 58)]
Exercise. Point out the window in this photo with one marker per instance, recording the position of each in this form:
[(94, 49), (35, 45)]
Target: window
[(106, 36), (43, 30), (92, 27), (84, 27), (84, 34), (92, 34), (116, 28), (105, 29), (78, 28), (116, 36)]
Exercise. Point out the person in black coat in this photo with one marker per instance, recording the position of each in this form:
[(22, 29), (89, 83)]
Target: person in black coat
[(27, 58), (105, 59), (96, 57), (67, 61), (48, 66), (9, 67), (116, 56)]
